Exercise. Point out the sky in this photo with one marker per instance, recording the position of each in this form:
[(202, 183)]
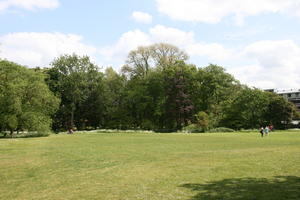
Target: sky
[(257, 41)]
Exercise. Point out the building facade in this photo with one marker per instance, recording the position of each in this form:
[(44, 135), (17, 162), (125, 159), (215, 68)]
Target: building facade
[(291, 95)]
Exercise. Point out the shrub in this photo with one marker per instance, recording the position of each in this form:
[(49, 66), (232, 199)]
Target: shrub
[(249, 130), (221, 130), (147, 125), (193, 128), (202, 121), (26, 135)]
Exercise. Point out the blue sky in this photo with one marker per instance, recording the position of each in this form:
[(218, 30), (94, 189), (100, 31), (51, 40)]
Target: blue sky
[(255, 40)]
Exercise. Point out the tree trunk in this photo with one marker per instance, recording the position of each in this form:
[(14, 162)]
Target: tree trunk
[(72, 119), (11, 133), (72, 116)]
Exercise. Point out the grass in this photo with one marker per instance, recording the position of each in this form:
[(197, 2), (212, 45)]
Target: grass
[(231, 166)]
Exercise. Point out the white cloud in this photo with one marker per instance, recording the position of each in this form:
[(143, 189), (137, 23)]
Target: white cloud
[(28, 4), (142, 17), (213, 51), (183, 39), (127, 42), (213, 11), (39, 49), (174, 36), (275, 64), (264, 64)]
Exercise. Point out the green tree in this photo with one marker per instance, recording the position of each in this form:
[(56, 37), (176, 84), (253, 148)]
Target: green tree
[(246, 110), (25, 100), (202, 120), (116, 113), (279, 112), (74, 79)]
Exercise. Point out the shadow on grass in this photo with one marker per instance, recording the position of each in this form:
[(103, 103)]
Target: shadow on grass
[(277, 188)]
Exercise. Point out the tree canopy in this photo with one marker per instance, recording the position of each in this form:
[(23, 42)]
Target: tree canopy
[(157, 89), (25, 99)]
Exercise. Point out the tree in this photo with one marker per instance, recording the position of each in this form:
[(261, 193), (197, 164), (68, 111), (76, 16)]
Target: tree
[(246, 110), (74, 79), (116, 114), (179, 108), (279, 111), (165, 54), (153, 72), (141, 60), (138, 62), (25, 100), (202, 120)]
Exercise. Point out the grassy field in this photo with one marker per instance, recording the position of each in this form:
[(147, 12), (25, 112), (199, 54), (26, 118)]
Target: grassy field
[(231, 166)]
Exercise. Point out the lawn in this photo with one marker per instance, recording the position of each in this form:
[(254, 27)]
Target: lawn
[(227, 166)]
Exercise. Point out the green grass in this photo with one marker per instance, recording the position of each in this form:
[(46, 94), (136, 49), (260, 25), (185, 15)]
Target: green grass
[(231, 166)]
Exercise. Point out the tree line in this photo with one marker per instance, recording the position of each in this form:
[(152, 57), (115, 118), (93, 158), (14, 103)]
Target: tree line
[(157, 89)]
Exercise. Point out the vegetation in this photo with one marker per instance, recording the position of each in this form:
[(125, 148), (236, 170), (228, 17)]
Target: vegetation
[(151, 166), (25, 100), (157, 90)]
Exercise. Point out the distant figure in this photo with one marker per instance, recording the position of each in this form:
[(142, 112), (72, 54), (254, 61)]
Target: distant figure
[(266, 130), (271, 127), (262, 131), (70, 131)]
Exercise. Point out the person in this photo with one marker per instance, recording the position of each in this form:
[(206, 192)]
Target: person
[(266, 130), (271, 127), (70, 131), (262, 131)]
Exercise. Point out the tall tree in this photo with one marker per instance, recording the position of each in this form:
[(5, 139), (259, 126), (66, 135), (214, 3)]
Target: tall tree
[(165, 54), (246, 110), (73, 78), (116, 114), (179, 106), (25, 100), (138, 62), (279, 111)]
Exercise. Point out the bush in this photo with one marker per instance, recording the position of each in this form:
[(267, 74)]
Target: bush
[(25, 135), (34, 134), (221, 130), (165, 130), (147, 125), (249, 130), (193, 128)]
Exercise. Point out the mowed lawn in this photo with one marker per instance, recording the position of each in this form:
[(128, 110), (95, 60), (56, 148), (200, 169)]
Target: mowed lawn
[(233, 166)]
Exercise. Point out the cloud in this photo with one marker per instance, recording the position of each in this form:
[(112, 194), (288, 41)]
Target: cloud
[(213, 11), (130, 40), (183, 39), (39, 49), (275, 64), (28, 4), (174, 36), (213, 51), (264, 64), (142, 17)]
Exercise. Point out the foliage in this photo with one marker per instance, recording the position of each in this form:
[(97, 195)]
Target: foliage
[(279, 110), (246, 110), (253, 108), (25, 100), (79, 84), (221, 130), (193, 128), (26, 134), (157, 89), (202, 120)]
